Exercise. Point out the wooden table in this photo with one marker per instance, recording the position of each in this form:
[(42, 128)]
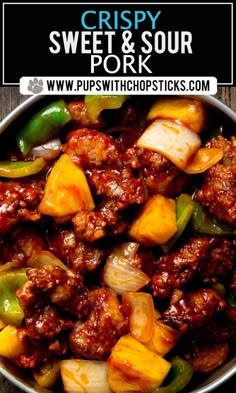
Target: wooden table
[(9, 99)]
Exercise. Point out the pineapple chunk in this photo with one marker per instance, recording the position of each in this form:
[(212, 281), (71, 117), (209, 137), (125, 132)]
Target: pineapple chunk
[(156, 222), (163, 339), (11, 346), (66, 191), (133, 367), (188, 111), (2, 324)]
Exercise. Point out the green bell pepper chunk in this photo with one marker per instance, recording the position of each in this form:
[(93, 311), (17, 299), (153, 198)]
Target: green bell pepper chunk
[(180, 375), (232, 300), (43, 125), (95, 104), (17, 169), (10, 310), (204, 222), (184, 210)]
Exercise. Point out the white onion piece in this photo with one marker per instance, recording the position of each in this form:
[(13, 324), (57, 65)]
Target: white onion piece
[(80, 376), (48, 150), (171, 139), (141, 315), (126, 250), (45, 257), (121, 276)]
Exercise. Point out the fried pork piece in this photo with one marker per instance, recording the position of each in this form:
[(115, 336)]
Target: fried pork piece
[(22, 245), (92, 148), (194, 310), (118, 185), (110, 176), (201, 257), (40, 351), (49, 283), (46, 323), (81, 257), (79, 114), (206, 358), (51, 299), (93, 225), (159, 174), (107, 171), (218, 191), (18, 202), (95, 337)]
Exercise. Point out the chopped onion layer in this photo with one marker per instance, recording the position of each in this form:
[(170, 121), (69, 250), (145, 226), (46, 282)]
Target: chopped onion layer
[(173, 140), (45, 257), (48, 150), (80, 376), (120, 275), (204, 159), (141, 316)]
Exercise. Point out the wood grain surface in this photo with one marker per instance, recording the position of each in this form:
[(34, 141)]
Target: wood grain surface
[(9, 99)]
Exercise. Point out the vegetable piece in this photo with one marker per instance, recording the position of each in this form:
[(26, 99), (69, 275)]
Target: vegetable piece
[(96, 104), (43, 125), (174, 141), (2, 324), (48, 150), (118, 272), (180, 375), (188, 111), (48, 374), (156, 222), (45, 257), (14, 169), (232, 300), (204, 159), (66, 191), (184, 210), (11, 346), (141, 315), (10, 309), (132, 367), (9, 266), (204, 222), (80, 376), (163, 339)]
